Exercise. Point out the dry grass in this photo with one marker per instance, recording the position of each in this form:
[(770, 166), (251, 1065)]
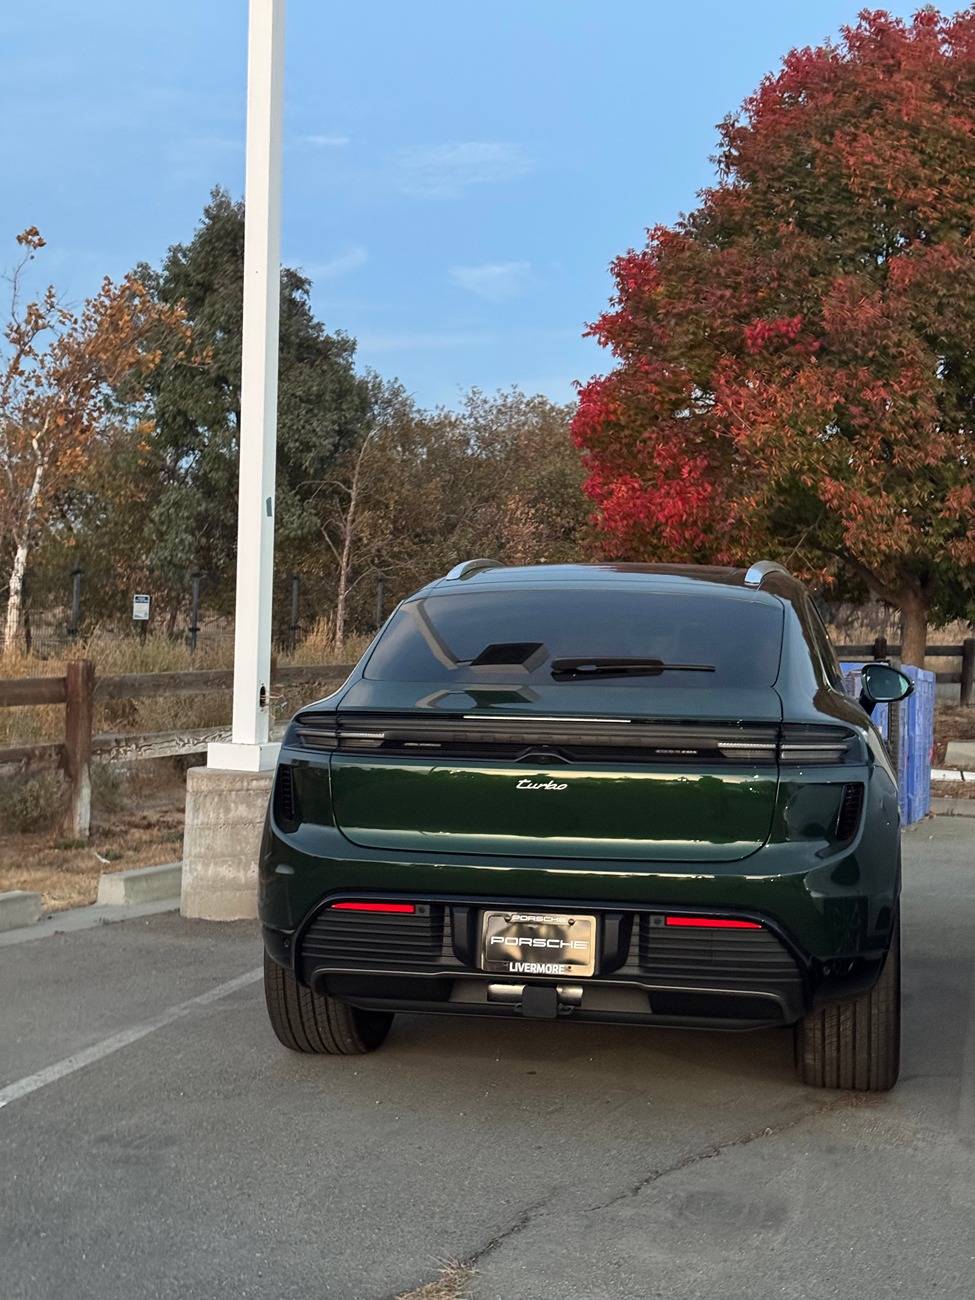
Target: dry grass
[(317, 647), (858, 624), (453, 1284), (112, 656), (143, 827), (953, 789)]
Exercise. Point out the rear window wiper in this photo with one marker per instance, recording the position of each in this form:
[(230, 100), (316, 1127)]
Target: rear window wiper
[(621, 667)]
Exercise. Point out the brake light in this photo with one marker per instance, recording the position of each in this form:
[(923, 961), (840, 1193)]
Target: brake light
[(710, 923), (364, 905), (814, 745), (321, 731)]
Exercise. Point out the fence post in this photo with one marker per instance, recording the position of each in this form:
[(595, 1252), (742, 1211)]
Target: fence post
[(194, 610), (75, 623), (968, 671), (880, 648), (78, 719), (380, 599), (295, 597)]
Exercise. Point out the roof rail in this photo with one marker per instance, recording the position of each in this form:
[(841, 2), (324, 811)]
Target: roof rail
[(760, 570), (467, 567)]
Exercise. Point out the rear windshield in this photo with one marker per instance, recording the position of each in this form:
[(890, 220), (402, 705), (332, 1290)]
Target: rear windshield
[(436, 638)]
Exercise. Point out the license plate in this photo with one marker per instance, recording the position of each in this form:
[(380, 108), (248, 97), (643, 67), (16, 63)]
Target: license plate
[(538, 943)]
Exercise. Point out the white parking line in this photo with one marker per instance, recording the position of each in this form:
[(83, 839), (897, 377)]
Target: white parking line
[(97, 1051)]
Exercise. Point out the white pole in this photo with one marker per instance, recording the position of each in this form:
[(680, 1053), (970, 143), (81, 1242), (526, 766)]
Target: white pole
[(249, 749)]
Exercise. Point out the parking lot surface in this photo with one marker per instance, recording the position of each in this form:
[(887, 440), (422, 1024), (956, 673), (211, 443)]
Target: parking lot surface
[(155, 1141)]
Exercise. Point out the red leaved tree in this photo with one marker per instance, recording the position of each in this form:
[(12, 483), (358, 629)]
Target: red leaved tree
[(795, 359)]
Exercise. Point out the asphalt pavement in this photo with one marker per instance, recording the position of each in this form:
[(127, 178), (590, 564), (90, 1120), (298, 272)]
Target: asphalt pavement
[(156, 1142)]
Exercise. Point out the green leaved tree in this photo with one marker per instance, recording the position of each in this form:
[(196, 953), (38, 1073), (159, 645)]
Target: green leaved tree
[(175, 490)]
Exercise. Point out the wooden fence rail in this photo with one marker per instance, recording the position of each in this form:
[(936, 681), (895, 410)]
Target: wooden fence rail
[(964, 678), (80, 689)]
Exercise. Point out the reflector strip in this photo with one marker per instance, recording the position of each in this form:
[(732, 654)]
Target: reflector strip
[(710, 923), (373, 907)]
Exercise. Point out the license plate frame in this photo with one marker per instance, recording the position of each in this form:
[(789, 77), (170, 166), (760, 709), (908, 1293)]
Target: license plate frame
[(521, 942)]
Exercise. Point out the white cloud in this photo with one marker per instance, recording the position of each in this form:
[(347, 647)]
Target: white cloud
[(494, 281), (341, 264), (324, 141), (446, 171), (421, 342)]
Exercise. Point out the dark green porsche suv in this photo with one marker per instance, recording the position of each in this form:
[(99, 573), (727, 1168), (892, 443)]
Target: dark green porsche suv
[(619, 793)]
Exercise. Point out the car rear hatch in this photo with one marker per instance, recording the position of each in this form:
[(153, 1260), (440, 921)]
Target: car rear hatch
[(624, 772)]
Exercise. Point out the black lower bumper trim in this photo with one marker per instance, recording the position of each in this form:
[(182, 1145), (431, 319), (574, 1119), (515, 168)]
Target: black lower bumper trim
[(840, 980), (279, 946), (412, 1007), (629, 1001)]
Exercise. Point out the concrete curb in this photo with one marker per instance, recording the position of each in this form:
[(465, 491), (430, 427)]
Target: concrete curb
[(945, 807), (961, 753), (18, 908), (951, 774), (139, 885), (73, 919)]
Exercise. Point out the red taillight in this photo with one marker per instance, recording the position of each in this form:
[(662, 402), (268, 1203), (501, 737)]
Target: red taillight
[(364, 906), (710, 923)]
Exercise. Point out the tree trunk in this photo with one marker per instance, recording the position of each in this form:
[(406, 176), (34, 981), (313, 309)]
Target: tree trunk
[(15, 596), (342, 596), (345, 558), (15, 591), (914, 630)]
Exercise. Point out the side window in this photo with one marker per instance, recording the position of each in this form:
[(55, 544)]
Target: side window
[(827, 654)]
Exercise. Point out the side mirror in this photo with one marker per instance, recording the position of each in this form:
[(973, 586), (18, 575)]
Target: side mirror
[(881, 684)]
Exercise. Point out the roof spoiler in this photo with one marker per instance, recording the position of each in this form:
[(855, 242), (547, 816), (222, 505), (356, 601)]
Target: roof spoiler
[(468, 567), (761, 569)]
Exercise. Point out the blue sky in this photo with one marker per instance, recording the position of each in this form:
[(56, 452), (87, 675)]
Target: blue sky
[(457, 176)]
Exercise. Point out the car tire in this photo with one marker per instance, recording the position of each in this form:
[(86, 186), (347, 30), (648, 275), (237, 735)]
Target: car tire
[(856, 1044), (314, 1022)]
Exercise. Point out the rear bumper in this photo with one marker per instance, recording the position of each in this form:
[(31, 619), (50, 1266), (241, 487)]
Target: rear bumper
[(832, 909), (645, 973)]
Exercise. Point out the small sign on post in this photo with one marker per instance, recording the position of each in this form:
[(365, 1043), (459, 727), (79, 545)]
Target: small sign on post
[(140, 608)]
